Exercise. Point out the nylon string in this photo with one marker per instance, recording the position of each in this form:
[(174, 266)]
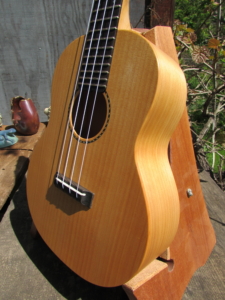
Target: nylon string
[(107, 38), (87, 97), (73, 97)]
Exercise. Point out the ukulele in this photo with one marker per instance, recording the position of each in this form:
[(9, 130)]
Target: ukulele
[(100, 188)]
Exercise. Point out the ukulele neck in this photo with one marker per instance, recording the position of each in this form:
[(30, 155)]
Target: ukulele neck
[(99, 44)]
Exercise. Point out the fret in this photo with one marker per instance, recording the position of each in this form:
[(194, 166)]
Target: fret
[(94, 78), (106, 19), (95, 71), (100, 48), (101, 39), (97, 56), (105, 13), (103, 29), (94, 84), (99, 45), (109, 1), (103, 3), (104, 45), (107, 8), (101, 35), (96, 64)]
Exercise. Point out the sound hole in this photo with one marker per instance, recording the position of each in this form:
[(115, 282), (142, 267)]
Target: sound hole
[(89, 115)]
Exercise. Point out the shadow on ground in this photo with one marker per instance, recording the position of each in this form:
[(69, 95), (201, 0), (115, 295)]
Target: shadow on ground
[(66, 282)]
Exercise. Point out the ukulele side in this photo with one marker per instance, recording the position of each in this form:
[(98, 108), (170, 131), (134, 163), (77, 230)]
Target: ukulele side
[(135, 210)]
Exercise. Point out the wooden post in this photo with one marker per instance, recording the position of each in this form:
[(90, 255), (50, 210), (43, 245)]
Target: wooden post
[(159, 12)]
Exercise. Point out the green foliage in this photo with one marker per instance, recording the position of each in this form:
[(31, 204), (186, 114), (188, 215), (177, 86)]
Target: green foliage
[(217, 161), (199, 33), (193, 13), (198, 14)]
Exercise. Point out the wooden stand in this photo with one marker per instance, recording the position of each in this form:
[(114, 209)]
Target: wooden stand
[(195, 237)]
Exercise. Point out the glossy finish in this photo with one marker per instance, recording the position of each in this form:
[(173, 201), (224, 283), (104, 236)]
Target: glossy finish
[(135, 211), (24, 115), (195, 236), (7, 138)]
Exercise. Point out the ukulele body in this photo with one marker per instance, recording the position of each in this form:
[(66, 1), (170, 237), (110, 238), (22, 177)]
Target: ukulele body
[(135, 211)]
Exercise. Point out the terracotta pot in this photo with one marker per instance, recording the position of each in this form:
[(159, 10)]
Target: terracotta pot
[(24, 115)]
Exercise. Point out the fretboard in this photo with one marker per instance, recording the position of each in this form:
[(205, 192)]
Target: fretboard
[(99, 45)]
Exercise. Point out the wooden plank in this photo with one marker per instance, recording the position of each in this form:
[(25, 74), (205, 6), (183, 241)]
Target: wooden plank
[(13, 165), (14, 162), (25, 142)]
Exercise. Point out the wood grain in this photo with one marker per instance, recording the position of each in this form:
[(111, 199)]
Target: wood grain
[(33, 36), (14, 162), (135, 212), (162, 13), (195, 237)]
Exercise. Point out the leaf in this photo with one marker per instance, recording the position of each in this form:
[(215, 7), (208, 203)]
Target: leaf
[(190, 30), (193, 37), (200, 54), (178, 48), (177, 22), (182, 27), (213, 43), (187, 40)]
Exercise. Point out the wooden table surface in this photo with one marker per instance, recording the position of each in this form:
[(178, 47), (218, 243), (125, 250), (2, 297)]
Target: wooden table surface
[(14, 162)]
